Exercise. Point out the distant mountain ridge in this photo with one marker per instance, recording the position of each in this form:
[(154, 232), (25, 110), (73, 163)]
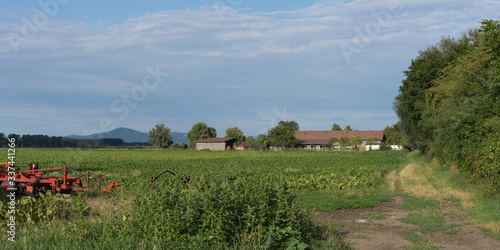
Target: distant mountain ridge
[(130, 135)]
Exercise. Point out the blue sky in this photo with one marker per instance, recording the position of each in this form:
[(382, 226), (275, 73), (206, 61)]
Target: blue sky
[(79, 67)]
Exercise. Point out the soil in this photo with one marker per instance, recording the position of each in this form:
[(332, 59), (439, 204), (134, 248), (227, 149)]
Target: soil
[(380, 228)]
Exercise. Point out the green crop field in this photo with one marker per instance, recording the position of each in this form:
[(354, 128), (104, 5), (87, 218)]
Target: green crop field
[(233, 199), (300, 169)]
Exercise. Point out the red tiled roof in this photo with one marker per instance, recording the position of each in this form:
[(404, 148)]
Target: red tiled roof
[(210, 140), (327, 135)]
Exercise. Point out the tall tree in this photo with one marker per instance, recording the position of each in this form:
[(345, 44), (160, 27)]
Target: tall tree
[(17, 139), (262, 141), (410, 103), (450, 103), (282, 136), (160, 136), (291, 124), (200, 131), (491, 35), (3, 141), (250, 142), (393, 136), (348, 128), (336, 127), (235, 132)]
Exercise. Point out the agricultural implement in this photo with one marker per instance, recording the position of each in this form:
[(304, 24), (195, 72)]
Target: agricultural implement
[(33, 182)]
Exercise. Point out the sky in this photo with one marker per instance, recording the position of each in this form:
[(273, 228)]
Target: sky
[(82, 67)]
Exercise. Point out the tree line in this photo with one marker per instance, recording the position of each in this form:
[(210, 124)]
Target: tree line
[(449, 103), (45, 141), (281, 136)]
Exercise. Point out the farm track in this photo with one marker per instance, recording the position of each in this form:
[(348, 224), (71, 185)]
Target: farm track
[(380, 228)]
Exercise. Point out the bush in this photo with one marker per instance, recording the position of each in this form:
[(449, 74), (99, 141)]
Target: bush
[(222, 211)]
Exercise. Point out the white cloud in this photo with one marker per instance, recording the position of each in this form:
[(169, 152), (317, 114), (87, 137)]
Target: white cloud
[(242, 60)]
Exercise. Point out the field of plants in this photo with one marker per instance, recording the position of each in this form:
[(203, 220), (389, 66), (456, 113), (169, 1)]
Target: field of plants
[(233, 199)]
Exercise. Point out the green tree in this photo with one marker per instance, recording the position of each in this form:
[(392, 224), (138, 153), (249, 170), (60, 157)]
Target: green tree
[(348, 128), (251, 142), (332, 142), (292, 124), (491, 34), (282, 136), (3, 141), (393, 136), (235, 132), (410, 103), (463, 110), (371, 140), (336, 127), (160, 136), (344, 142), (356, 142), (200, 131), (262, 141), (449, 104), (16, 138)]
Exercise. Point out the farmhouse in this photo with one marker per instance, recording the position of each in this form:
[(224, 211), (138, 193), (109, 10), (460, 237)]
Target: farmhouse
[(215, 143), (319, 140)]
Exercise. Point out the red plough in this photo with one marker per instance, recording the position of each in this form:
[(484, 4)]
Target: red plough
[(32, 182)]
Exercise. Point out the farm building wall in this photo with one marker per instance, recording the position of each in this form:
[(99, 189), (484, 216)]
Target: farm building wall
[(211, 146)]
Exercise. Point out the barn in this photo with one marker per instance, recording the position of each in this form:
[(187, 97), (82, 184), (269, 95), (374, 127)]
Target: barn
[(319, 140), (215, 143)]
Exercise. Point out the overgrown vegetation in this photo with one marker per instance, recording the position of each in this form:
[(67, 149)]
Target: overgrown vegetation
[(234, 200), (449, 103)]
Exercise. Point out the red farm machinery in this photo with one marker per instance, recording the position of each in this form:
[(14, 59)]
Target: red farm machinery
[(33, 182)]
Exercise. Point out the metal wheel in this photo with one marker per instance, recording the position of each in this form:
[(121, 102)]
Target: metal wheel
[(5, 188)]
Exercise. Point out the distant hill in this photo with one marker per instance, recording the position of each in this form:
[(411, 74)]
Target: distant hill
[(130, 135)]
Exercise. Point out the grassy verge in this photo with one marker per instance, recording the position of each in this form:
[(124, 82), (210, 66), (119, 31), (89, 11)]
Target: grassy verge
[(432, 183), (432, 194)]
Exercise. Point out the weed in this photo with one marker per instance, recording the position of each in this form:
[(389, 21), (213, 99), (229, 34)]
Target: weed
[(412, 203), (419, 243), (331, 200), (426, 223)]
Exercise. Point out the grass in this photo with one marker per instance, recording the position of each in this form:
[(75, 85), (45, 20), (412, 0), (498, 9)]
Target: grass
[(427, 223), (230, 199), (423, 178), (419, 243), (426, 185), (327, 235), (412, 203), (375, 216), (331, 200)]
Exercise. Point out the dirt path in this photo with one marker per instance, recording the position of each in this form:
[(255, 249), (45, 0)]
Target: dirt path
[(380, 228)]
